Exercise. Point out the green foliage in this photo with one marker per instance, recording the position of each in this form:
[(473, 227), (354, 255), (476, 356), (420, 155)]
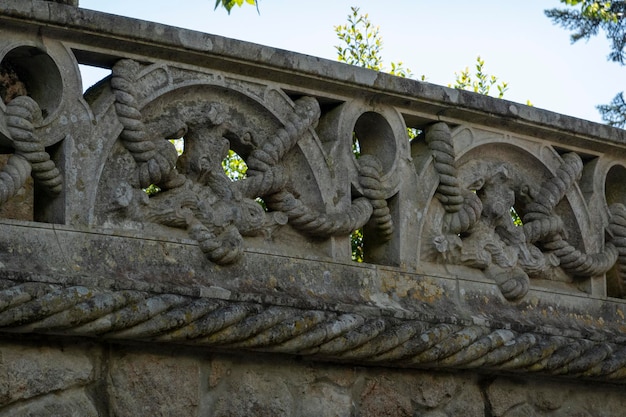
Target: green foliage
[(362, 40), (586, 18), (599, 10), (229, 4), (480, 82), (614, 113), (152, 189), (356, 240), (589, 17), (517, 220), (361, 45), (234, 166)]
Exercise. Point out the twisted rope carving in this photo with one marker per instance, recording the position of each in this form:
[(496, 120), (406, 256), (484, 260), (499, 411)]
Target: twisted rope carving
[(266, 179), (551, 192), (313, 223), (541, 225), (13, 176), (370, 172), (263, 178), (136, 315), (223, 249), (21, 113), (372, 206), (463, 208), (155, 157), (617, 230)]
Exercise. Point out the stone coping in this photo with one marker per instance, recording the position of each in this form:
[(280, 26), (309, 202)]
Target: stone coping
[(92, 33)]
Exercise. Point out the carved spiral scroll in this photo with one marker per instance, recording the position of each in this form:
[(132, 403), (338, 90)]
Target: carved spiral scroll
[(22, 112), (462, 207), (343, 336)]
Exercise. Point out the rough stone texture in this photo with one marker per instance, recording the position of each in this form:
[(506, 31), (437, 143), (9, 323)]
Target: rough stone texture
[(515, 397), (188, 382), (198, 301), (383, 397), (32, 371), (325, 399), (157, 385), (70, 403)]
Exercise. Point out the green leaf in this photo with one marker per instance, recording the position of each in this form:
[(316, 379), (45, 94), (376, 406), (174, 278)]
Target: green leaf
[(229, 4)]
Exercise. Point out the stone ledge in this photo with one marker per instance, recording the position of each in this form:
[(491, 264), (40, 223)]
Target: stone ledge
[(346, 337), (371, 315), (92, 32)]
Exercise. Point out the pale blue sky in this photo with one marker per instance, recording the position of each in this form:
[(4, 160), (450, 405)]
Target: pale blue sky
[(435, 38)]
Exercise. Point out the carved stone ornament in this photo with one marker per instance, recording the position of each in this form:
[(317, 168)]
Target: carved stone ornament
[(195, 194), (493, 234), (497, 221)]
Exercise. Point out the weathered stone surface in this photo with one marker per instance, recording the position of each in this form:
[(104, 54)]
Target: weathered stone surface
[(455, 295), (74, 403), (384, 397), (505, 394), (259, 392), (28, 370), (432, 391), (548, 397), (157, 385), (325, 399), (468, 400)]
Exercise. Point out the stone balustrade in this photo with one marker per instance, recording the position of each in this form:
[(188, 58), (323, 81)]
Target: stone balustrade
[(494, 234)]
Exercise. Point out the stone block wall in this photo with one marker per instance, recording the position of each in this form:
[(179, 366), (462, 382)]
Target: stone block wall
[(53, 377), (139, 279)]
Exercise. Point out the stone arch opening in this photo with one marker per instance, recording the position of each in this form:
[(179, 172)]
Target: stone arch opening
[(373, 135), (40, 75)]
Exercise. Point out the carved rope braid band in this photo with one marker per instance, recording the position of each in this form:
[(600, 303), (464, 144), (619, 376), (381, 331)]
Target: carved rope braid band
[(171, 318), (155, 157), (22, 112)]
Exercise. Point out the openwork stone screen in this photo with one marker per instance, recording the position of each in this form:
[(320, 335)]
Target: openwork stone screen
[(494, 235)]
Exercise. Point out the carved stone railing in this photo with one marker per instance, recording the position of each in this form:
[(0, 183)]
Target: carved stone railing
[(451, 278)]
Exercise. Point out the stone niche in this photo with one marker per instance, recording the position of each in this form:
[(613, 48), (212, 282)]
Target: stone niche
[(139, 277)]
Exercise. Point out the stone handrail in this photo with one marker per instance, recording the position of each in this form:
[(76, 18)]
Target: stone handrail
[(450, 278)]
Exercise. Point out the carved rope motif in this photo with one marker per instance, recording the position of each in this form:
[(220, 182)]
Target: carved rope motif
[(197, 196), (343, 336), (30, 154), (478, 231)]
